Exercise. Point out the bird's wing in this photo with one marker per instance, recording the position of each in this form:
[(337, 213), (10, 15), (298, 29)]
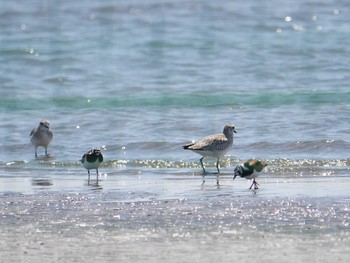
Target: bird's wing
[(188, 146), (247, 168), (208, 142), (246, 172), (50, 133), (255, 165)]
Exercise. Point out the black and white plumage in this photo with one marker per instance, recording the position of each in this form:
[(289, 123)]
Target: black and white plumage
[(250, 169), (92, 160), (41, 136), (216, 145)]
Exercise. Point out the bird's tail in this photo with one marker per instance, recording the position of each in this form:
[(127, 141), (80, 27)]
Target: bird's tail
[(187, 147)]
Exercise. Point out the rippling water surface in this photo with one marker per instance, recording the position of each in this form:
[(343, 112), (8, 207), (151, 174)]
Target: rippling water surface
[(139, 80)]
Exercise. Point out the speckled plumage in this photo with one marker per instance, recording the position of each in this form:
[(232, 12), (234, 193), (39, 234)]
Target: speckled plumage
[(92, 160), (216, 145), (41, 136), (250, 169)]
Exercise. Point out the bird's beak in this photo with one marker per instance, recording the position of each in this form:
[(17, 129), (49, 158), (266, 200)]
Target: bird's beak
[(234, 131)]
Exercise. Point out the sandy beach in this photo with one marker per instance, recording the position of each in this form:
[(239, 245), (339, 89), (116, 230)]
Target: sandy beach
[(150, 217)]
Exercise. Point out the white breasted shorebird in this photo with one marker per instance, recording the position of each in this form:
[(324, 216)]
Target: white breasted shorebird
[(216, 145), (92, 160), (41, 136), (250, 169)]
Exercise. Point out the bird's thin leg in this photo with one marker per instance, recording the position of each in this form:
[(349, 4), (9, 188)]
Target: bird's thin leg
[(217, 165), (256, 184), (201, 160), (46, 151), (217, 180), (252, 184), (36, 153), (203, 175), (97, 175), (88, 175)]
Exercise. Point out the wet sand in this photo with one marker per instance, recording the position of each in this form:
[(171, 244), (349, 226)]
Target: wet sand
[(157, 216)]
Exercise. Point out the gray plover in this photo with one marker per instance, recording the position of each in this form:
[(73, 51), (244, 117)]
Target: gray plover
[(92, 160), (41, 136), (216, 145), (250, 169)]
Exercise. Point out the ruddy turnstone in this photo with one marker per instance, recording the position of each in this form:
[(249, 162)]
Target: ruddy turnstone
[(216, 145), (92, 160), (250, 169), (41, 136)]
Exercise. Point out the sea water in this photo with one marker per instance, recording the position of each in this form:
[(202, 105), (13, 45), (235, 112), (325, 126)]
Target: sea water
[(139, 79)]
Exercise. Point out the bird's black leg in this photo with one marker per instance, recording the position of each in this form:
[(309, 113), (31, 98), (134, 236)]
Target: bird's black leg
[(203, 175), (251, 185), (256, 184), (88, 175), (201, 160), (97, 175), (217, 165)]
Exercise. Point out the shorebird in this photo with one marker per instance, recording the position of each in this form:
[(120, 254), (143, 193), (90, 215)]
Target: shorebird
[(41, 136), (250, 169), (92, 160), (216, 145)]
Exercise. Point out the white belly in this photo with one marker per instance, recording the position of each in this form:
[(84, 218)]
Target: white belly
[(91, 165)]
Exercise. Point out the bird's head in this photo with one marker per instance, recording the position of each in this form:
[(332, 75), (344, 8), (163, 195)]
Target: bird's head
[(44, 124)]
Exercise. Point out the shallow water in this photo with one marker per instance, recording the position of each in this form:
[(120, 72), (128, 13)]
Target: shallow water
[(176, 218), (139, 80), (161, 213)]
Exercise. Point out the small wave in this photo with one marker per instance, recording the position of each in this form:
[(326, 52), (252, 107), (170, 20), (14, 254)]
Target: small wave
[(181, 100), (276, 167), (316, 148)]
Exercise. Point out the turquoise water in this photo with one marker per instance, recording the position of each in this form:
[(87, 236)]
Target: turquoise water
[(139, 79)]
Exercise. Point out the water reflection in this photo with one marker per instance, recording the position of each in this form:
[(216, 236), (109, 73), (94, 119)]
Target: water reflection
[(94, 184), (43, 158), (42, 182)]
